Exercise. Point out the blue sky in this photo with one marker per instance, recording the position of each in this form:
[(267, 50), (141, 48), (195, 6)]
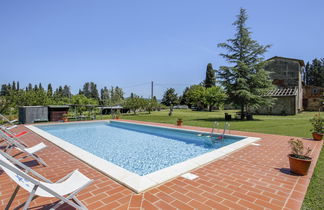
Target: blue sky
[(130, 43)]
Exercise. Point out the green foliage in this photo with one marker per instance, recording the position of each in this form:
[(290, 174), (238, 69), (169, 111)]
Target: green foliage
[(246, 80), (317, 123), (210, 80), (4, 104), (195, 95), (49, 90), (201, 96), (82, 100), (90, 90), (151, 104), (314, 73), (297, 149), (134, 103), (170, 97), (104, 96), (214, 96)]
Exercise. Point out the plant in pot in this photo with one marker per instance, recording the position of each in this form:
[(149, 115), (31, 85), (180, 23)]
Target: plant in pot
[(179, 122), (317, 129), (65, 118), (299, 160)]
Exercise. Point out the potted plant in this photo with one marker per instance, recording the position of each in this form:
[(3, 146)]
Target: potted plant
[(65, 118), (179, 122), (299, 160), (317, 129)]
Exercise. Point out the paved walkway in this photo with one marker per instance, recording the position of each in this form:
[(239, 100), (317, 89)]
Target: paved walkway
[(255, 177)]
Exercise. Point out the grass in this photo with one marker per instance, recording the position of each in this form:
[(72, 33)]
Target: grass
[(314, 198), (297, 125)]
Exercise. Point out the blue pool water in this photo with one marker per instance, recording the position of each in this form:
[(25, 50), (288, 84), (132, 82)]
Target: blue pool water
[(138, 148)]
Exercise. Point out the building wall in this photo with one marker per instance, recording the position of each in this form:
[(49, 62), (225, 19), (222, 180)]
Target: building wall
[(287, 73), (313, 98), (284, 105)]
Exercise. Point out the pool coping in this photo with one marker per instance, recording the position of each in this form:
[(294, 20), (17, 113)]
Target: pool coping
[(132, 180)]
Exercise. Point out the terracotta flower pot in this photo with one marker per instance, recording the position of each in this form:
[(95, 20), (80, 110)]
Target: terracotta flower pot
[(299, 166), (179, 123), (317, 136), (65, 119)]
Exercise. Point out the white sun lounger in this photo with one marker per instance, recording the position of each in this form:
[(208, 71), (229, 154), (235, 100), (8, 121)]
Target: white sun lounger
[(9, 133), (64, 189), (13, 143)]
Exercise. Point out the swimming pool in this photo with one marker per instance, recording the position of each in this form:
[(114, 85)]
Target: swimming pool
[(137, 148), (146, 153)]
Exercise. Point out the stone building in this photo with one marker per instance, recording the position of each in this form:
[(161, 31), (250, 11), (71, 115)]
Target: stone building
[(313, 98), (286, 74)]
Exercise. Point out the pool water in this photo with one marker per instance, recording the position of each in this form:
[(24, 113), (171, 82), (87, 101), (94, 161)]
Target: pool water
[(138, 148)]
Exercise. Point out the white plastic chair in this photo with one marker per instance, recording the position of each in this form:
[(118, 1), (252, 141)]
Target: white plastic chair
[(14, 143), (64, 189)]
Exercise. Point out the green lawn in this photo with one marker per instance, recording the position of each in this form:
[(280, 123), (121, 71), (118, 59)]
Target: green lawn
[(297, 125), (315, 194)]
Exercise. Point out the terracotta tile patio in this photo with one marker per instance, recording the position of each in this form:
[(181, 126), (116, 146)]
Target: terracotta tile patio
[(255, 177)]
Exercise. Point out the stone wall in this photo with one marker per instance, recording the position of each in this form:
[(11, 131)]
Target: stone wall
[(284, 105)]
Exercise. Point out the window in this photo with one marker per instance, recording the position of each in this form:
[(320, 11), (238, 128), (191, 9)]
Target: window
[(315, 91)]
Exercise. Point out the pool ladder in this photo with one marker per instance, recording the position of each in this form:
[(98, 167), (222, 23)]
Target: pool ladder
[(215, 126)]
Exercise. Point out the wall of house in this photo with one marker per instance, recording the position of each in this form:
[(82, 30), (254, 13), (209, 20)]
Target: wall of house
[(287, 73), (284, 105), (313, 98)]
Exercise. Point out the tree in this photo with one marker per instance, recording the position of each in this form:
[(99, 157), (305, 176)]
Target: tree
[(40, 87), (134, 103), (49, 90), (14, 85), (4, 90), (184, 100), (195, 96), (210, 80), (314, 73), (116, 95), (82, 100), (66, 91), (246, 81), (30, 87), (170, 98), (214, 96), (104, 96), (151, 104)]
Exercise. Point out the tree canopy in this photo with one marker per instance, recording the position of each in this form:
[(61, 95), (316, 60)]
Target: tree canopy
[(245, 80), (210, 80), (170, 97), (314, 73)]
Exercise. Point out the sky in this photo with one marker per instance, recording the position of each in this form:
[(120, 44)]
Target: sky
[(131, 43)]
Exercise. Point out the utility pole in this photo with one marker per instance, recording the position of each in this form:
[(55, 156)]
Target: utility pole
[(152, 90)]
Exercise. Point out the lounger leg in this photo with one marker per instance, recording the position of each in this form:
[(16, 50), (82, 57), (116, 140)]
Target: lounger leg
[(12, 197), (30, 197)]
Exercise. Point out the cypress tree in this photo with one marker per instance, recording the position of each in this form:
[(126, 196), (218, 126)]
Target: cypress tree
[(210, 80), (49, 90)]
